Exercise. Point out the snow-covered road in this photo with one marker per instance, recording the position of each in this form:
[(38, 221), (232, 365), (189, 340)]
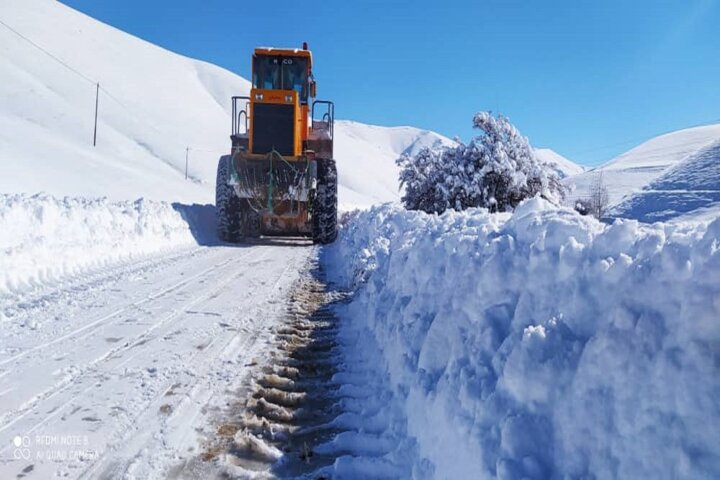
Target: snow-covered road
[(112, 374)]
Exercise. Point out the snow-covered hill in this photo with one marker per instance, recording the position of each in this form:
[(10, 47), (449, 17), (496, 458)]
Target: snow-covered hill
[(366, 157), (563, 167), (685, 154), (692, 184), (161, 103), (154, 104)]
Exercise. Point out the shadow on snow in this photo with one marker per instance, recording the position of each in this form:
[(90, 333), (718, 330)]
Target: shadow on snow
[(203, 226)]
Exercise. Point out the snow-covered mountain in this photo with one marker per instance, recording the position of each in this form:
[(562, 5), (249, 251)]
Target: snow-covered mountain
[(563, 167), (154, 105), (665, 176), (161, 103), (692, 184), (158, 108), (366, 157)]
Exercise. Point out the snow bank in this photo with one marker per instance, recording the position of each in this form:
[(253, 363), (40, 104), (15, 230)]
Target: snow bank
[(541, 344), (44, 239)]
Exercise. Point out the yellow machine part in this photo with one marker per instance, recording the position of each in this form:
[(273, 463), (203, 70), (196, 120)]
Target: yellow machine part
[(282, 97), (302, 110)]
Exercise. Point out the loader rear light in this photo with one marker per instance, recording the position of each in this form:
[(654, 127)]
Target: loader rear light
[(259, 96), (288, 98)]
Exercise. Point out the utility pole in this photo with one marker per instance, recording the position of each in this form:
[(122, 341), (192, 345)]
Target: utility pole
[(187, 155), (97, 97)]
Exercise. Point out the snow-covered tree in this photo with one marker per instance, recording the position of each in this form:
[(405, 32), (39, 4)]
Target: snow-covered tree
[(497, 169)]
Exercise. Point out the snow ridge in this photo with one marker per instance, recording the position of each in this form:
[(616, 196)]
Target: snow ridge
[(44, 239), (563, 166), (541, 344)]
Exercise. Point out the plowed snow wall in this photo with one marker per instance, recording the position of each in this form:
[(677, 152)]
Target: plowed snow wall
[(543, 344), (46, 239)]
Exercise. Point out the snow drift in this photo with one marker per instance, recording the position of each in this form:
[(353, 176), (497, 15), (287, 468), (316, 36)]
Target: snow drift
[(540, 344), (44, 239)]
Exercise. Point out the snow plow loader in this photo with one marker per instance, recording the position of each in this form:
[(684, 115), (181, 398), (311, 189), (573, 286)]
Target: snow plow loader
[(280, 177)]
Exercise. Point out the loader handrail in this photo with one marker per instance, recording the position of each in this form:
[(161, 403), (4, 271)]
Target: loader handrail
[(328, 117), (237, 116)]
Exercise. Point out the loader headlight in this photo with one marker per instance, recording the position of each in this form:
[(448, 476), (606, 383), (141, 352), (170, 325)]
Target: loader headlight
[(288, 98), (258, 96)]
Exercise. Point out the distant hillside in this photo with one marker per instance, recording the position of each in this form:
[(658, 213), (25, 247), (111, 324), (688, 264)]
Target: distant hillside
[(367, 155), (692, 184), (630, 172), (564, 167), (154, 104)]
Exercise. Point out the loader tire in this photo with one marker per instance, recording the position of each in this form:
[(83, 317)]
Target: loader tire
[(324, 210), (227, 204), (249, 220)]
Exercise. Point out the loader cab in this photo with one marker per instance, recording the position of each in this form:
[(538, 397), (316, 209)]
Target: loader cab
[(279, 114), (283, 70), (279, 104)]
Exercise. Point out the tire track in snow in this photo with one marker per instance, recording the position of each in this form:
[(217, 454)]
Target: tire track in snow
[(96, 323), (315, 409), (297, 418), (21, 306), (11, 418), (146, 399), (198, 394)]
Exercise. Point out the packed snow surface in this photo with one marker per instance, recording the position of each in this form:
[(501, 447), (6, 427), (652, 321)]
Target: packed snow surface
[(124, 372), (539, 344)]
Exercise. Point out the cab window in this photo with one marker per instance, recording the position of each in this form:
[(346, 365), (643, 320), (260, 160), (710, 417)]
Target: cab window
[(281, 73), (266, 73), (294, 76)]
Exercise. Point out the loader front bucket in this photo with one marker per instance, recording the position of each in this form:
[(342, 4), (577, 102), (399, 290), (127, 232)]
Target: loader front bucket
[(267, 182)]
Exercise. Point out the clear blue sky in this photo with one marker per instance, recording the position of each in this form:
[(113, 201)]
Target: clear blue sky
[(589, 79)]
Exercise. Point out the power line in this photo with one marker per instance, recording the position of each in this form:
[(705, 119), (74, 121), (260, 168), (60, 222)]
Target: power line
[(61, 62), (109, 94), (66, 65)]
